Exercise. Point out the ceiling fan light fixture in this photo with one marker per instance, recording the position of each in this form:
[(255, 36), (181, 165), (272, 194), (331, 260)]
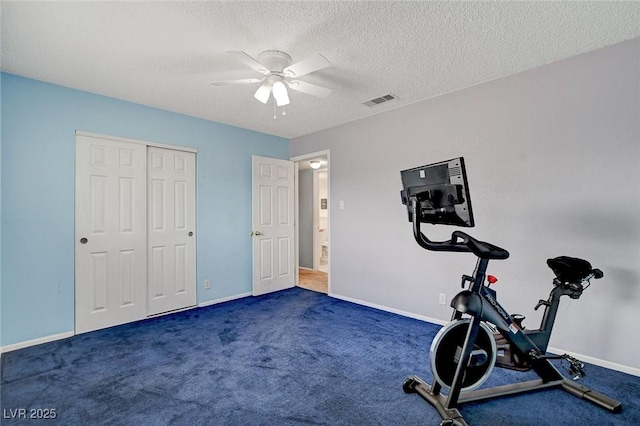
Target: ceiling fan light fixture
[(263, 93), (280, 93), (277, 70)]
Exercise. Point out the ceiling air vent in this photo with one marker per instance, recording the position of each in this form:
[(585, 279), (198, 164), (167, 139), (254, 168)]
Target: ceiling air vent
[(380, 100)]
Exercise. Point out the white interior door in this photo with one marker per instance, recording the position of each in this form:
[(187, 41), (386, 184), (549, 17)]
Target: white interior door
[(273, 225), (171, 230), (110, 234)]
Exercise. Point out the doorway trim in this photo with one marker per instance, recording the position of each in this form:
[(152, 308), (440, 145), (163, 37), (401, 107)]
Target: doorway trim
[(296, 160)]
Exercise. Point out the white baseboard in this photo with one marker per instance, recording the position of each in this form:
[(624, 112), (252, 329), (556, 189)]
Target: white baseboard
[(391, 310), (591, 360), (37, 341), (54, 337), (224, 299), (599, 362)]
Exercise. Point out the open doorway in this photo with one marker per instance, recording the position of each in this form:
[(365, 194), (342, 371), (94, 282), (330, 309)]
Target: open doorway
[(313, 207)]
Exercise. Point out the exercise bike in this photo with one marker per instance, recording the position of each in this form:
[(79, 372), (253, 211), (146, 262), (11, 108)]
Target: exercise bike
[(482, 334)]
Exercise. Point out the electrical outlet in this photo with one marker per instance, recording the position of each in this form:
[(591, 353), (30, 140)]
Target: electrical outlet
[(442, 299), (207, 284)]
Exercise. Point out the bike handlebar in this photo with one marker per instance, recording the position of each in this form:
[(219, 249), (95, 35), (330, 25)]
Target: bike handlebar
[(459, 242)]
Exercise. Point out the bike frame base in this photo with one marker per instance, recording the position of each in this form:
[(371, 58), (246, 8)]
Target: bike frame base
[(437, 400), (440, 401), (479, 302)]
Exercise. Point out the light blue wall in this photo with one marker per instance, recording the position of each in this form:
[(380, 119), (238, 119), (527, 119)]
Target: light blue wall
[(39, 121)]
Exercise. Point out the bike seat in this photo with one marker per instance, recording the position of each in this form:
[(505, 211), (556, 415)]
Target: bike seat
[(480, 248), (572, 269)]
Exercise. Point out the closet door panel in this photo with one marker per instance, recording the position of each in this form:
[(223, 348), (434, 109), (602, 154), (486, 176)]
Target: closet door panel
[(172, 281), (111, 233)]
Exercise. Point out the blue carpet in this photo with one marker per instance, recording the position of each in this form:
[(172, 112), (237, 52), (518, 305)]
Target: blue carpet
[(295, 357)]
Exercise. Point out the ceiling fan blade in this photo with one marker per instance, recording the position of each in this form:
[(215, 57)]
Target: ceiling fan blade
[(312, 63), (243, 81), (311, 89), (248, 60), (263, 93)]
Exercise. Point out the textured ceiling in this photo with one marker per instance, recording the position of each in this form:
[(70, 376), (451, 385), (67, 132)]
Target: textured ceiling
[(165, 54)]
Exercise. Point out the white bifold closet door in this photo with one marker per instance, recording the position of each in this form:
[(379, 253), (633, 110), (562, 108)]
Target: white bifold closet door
[(134, 238)]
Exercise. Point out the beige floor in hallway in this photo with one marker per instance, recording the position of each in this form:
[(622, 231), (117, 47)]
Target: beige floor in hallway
[(313, 280)]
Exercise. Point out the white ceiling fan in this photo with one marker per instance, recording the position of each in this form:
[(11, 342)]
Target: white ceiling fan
[(279, 74)]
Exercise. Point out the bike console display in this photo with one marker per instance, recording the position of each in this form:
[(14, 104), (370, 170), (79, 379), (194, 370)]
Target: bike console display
[(441, 191)]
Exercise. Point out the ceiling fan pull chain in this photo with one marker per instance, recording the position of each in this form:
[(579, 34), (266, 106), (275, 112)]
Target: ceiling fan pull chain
[(274, 109)]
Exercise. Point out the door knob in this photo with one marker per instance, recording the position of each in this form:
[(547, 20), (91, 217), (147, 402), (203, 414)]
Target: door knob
[(83, 240), (190, 234), (256, 233)]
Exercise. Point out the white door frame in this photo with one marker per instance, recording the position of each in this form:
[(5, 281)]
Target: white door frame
[(138, 141), (296, 160)]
